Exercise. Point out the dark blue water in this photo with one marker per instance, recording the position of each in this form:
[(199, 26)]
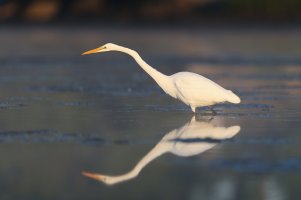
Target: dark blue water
[(62, 114)]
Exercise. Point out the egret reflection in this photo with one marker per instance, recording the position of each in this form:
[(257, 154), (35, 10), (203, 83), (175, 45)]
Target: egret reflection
[(193, 138)]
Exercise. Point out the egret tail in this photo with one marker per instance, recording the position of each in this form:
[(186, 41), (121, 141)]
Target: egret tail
[(231, 97)]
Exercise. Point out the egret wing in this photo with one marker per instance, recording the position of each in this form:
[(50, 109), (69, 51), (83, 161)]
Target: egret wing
[(196, 88)]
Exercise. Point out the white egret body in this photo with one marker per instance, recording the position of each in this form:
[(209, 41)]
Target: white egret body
[(192, 89)]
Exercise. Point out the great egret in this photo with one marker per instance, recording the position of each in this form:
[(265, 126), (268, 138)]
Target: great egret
[(191, 139), (192, 89)]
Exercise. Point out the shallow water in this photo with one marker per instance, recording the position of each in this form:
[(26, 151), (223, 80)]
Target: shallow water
[(62, 114)]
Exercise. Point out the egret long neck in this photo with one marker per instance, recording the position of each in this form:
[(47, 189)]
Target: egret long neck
[(157, 151), (163, 81)]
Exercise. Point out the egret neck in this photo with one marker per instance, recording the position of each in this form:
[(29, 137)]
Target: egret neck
[(164, 81)]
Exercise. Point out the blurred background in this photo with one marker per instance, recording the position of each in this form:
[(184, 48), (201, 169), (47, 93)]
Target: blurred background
[(62, 113), (149, 10)]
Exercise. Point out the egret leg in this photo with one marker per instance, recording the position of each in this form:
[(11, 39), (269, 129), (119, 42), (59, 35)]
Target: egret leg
[(206, 118), (212, 110), (192, 108)]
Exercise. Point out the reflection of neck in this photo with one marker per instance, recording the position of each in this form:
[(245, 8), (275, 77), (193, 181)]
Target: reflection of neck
[(154, 153), (169, 143)]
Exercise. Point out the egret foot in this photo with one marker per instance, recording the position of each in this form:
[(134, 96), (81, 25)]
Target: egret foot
[(212, 110), (205, 118)]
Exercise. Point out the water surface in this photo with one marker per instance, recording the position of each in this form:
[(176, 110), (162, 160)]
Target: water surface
[(62, 114)]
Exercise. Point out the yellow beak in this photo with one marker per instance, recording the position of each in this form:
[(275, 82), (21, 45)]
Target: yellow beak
[(93, 176), (93, 51)]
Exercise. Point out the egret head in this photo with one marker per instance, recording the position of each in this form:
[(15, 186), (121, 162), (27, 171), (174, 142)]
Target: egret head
[(104, 48), (109, 180)]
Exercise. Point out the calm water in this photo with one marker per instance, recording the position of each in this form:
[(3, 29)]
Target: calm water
[(62, 114)]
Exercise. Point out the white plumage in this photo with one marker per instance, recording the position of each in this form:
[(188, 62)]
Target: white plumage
[(192, 89)]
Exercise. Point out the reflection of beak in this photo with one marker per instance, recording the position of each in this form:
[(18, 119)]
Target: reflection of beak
[(97, 50), (94, 176)]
